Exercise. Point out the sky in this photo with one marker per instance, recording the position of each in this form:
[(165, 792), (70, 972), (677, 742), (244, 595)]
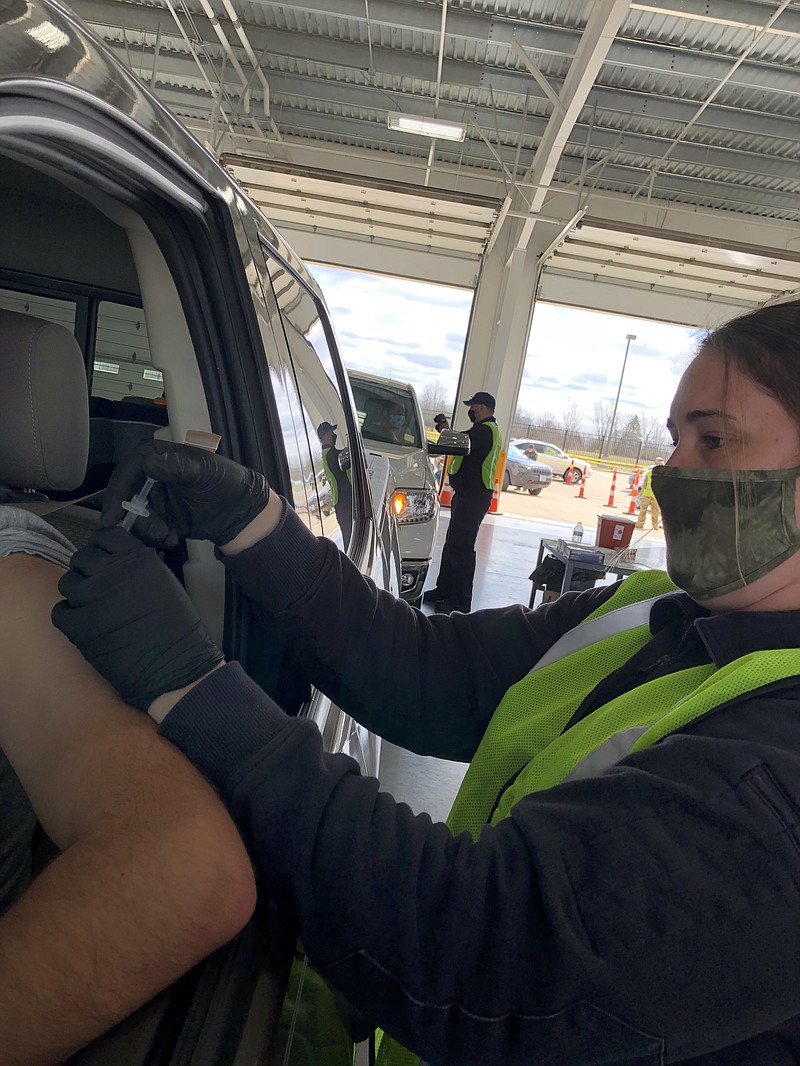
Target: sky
[(414, 331)]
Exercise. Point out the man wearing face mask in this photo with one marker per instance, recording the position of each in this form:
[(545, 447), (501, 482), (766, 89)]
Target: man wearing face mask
[(617, 880), (472, 479)]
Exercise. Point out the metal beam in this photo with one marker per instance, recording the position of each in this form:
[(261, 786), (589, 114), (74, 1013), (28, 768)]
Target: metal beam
[(597, 38), (540, 79)]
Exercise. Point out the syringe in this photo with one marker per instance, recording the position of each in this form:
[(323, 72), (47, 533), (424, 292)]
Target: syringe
[(137, 507)]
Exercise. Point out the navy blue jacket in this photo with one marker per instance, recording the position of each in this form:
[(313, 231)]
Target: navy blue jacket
[(649, 915)]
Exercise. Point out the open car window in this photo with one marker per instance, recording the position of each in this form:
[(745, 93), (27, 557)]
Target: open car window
[(386, 414)]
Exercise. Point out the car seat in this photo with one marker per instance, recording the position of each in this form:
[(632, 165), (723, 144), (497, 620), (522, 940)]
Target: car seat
[(44, 420)]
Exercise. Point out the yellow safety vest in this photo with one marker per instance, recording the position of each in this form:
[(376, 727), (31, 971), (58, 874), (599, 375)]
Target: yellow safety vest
[(489, 465), (331, 477)]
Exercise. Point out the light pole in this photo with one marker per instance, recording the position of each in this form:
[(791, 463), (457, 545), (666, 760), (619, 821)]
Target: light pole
[(628, 338)]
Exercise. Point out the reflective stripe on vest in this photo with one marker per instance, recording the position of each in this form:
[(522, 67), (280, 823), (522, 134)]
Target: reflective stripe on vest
[(527, 747), (489, 466)]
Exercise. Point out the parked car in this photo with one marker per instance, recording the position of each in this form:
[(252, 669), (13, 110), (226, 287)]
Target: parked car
[(562, 465), (524, 473), (120, 227), (391, 424)]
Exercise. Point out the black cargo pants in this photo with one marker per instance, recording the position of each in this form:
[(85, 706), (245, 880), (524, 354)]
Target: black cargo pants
[(457, 569)]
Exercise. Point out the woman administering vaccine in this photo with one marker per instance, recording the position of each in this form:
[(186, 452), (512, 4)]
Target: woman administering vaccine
[(619, 879)]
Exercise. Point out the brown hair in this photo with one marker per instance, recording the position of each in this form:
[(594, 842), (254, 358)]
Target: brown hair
[(764, 345)]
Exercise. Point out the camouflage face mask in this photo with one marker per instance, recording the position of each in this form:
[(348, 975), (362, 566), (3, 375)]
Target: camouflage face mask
[(725, 528)]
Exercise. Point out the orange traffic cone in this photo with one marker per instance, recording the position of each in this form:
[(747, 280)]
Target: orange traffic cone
[(446, 489), (582, 494), (634, 493), (613, 488), (495, 504)]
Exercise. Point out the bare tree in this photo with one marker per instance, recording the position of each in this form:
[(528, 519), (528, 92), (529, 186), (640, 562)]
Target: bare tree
[(654, 432), (546, 420), (434, 399), (572, 418), (601, 417)]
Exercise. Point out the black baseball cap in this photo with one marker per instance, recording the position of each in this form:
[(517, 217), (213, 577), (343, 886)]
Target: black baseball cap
[(485, 398), (323, 428), (439, 418)]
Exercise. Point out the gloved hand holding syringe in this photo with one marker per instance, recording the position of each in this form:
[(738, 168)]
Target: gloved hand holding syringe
[(137, 506)]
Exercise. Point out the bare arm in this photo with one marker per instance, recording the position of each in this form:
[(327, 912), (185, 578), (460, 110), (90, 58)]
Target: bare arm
[(152, 875)]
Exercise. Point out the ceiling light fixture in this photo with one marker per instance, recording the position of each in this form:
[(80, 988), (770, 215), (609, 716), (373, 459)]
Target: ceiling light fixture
[(436, 128)]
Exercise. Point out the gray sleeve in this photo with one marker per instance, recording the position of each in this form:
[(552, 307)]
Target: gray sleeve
[(22, 531)]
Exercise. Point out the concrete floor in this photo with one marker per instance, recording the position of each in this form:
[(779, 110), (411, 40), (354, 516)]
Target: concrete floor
[(507, 547)]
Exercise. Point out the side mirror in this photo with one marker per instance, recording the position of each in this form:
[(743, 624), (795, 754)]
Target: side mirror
[(450, 442)]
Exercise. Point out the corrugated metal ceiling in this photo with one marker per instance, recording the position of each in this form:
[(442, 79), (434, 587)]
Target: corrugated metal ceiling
[(358, 59), (696, 102)]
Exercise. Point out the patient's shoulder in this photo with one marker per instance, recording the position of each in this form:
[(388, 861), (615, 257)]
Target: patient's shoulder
[(27, 583)]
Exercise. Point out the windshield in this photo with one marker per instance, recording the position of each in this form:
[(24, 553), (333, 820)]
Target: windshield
[(387, 413)]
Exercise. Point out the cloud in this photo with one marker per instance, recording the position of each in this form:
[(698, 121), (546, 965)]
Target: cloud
[(649, 351), (437, 362), (415, 332), (597, 380), (384, 343)]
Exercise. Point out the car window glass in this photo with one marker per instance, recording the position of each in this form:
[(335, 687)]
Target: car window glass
[(320, 418), (386, 414), (62, 312), (121, 366)]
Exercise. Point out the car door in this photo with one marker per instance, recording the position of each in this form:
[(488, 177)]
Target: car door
[(191, 246)]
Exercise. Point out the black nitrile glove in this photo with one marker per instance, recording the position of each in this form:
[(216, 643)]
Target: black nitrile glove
[(131, 619), (197, 494)]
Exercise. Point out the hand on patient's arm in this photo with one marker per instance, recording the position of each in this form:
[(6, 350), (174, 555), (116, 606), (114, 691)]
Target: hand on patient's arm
[(132, 620), (153, 875)]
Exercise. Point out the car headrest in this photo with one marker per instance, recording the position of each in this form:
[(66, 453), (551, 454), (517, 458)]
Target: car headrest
[(44, 406)]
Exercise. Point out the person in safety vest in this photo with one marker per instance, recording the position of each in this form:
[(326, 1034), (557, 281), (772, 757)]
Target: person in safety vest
[(472, 479), (648, 501), (618, 879), (339, 480)]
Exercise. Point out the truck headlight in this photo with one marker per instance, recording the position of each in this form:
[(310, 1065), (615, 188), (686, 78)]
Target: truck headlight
[(413, 506)]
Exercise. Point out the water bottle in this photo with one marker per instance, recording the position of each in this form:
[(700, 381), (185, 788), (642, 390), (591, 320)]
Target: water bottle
[(577, 533)]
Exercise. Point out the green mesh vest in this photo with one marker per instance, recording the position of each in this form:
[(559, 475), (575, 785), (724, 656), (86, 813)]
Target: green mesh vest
[(489, 465), (331, 477), (525, 748)]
